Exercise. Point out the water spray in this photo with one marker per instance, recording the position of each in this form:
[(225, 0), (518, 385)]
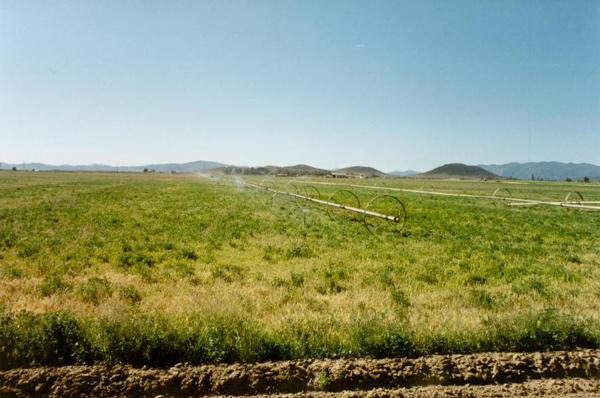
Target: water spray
[(395, 212)]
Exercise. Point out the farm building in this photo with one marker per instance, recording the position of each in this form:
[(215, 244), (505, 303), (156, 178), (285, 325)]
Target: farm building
[(348, 175)]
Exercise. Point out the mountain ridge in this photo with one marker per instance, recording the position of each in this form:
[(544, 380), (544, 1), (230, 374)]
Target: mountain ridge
[(404, 173), (198, 165), (547, 170)]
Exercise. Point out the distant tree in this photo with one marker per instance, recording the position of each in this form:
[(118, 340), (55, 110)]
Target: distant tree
[(145, 170), (14, 168), (568, 179), (586, 179)]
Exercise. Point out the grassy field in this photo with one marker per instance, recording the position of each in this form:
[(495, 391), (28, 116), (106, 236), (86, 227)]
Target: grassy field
[(158, 269)]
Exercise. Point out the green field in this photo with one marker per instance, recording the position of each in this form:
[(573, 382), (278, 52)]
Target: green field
[(158, 269)]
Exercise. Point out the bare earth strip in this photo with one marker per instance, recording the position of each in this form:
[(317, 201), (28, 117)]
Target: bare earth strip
[(572, 388), (572, 373)]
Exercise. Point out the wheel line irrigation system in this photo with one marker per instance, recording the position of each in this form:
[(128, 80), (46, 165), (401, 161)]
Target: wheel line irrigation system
[(398, 216), (580, 204)]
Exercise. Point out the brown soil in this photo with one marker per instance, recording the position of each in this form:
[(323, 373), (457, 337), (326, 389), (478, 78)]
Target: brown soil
[(573, 374)]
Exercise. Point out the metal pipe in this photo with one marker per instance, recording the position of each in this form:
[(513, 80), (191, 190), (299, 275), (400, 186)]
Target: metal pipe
[(577, 204), (561, 204), (542, 202), (349, 208), (462, 195)]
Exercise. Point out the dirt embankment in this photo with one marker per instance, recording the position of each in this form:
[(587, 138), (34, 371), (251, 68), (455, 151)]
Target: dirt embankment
[(576, 373)]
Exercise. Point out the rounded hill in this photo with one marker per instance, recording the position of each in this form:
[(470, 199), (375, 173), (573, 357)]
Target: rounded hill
[(361, 170), (458, 170)]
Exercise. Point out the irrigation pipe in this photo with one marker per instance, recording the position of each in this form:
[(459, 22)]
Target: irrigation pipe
[(462, 195), (522, 202), (536, 202), (323, 202), (561, 204)]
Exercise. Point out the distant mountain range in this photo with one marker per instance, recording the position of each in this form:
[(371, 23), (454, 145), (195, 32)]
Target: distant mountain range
[(200, 165), (299, 169), (555, 171), (548, 171), (404, 173)]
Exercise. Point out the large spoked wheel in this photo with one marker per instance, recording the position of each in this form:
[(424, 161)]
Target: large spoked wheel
[(501, 195), (344, 198), (574, 197), (392, 215), (285, 203), (266, 185), (310, 192), (290, 188), (307, 191)]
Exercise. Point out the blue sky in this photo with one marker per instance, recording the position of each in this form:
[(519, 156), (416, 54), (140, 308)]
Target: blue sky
[(391, 84)]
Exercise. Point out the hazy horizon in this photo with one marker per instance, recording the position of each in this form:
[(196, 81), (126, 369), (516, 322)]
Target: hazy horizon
[(394, 85), (4, 164)]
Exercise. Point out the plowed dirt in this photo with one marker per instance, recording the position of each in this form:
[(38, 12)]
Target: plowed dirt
[(573, 374)]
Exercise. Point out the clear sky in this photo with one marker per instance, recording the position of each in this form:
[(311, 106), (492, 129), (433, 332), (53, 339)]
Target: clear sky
[(391, 84)]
